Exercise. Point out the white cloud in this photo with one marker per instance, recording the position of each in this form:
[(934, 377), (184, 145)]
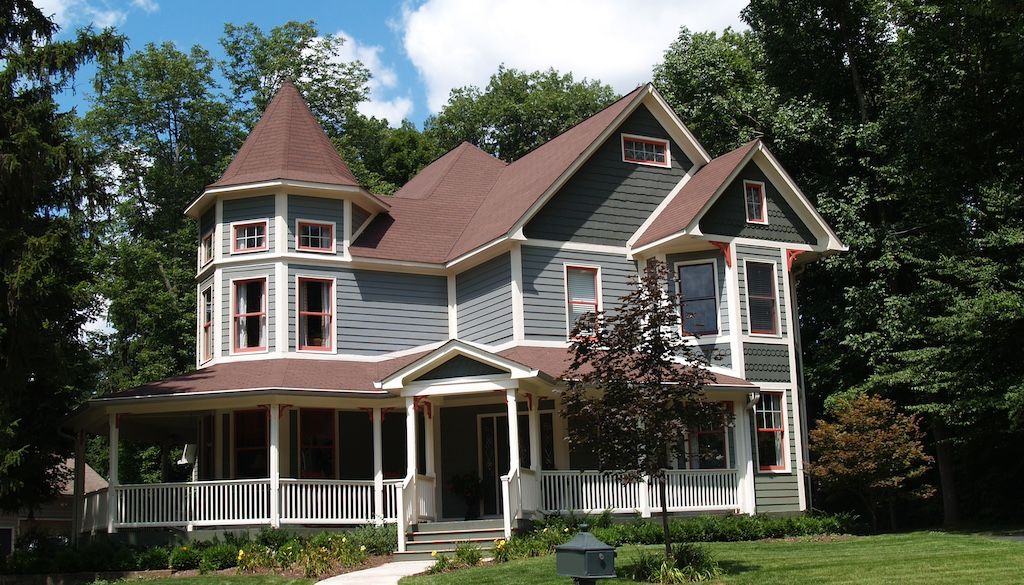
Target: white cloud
[(148, 6), (384, 80), (73, 13), (460, 42)]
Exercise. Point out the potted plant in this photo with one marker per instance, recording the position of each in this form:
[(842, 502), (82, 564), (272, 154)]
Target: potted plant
[(469, 487)]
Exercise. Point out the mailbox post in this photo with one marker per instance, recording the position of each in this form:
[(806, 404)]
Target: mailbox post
[(585, 558)]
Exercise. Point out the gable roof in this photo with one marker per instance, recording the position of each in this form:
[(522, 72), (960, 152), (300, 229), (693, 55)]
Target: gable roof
[(287, 143), (695, 194), (468, 198)]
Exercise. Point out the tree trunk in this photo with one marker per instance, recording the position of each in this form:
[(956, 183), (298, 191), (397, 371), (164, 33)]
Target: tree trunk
[(947, 483), (663, 490)]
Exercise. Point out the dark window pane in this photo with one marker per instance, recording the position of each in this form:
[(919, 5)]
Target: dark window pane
[(697, 281), (759, 279), (700, 317), (762, 315)]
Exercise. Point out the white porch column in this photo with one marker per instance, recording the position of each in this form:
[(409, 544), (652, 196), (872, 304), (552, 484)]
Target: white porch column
[(645, 497), (535, 451), (78, 513), (112, 482), (378, 467), (745, 463), (410, 437), (428, 440), (275, 465), (513, 429)]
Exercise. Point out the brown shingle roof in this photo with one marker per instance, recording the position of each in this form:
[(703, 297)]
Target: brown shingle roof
[(93, 480), (694, 195), (287, 143), (468, 198)]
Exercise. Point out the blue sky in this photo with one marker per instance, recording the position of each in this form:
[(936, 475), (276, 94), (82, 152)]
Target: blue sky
[(419, 50)]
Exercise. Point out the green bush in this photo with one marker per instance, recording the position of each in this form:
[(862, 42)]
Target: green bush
[(184, 558), (724, 529), (696, 562), (468, 554), (153, 558), (315, 558), (273, 538), (690, 563), (217, 557), (253, 557), (378, 540), (288, 554), (442, 563)]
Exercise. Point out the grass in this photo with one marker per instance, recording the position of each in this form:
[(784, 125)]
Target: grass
[(221, 580), (917, 558)]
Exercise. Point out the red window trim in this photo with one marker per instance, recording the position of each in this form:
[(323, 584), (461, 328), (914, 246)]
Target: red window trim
[(763, 220), (204, 261), (644, 140), (774, 298), (235, 314), (207, 327), (329, 313), (757, 427), (234, 436), (322, 224), (333, 447), (569, 302), (234, 236)]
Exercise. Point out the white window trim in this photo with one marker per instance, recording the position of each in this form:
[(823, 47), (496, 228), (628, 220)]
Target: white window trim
[(334, 237), (266, 236), (565, 292), (668, 150), (213, 326), (786, 456), (334, 315), (718, 298), (764, 202), (212, 233), (778, 300), (232, 350)]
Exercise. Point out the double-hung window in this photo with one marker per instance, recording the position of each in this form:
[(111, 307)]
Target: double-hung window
[(206, 248), (771, 432), (250, 315), (316, 303), (316, 443), (581, 285), (315, 236), (206, 320), (251, 461), (761, 303), (249, 237), (645, 151), (754, 201), (697, 299)]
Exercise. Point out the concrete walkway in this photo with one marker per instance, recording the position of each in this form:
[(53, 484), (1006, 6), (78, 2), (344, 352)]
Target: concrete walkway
[(386, 574)]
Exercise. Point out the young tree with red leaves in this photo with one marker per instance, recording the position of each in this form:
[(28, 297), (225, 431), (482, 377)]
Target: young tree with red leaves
[(635, 386)]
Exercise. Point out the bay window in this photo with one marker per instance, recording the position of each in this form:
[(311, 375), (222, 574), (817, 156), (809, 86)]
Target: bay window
[(316, 303), (771, 432), (206, 248), (761, 303), (249, 237), (206, 322), (697, 299), (250, 315)]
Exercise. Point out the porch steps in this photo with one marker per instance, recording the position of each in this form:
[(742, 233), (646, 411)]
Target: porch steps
[(442, 537)]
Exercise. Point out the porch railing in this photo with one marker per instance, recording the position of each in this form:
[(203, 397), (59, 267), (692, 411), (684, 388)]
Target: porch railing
[(312, 501), (425, 496), (94, 511), (595, 491)]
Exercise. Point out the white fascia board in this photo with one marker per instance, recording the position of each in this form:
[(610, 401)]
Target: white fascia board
[(448, 351), (372, 201)]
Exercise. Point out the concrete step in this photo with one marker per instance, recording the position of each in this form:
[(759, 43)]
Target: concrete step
[(456, 535), (452, 525), (448, 545)]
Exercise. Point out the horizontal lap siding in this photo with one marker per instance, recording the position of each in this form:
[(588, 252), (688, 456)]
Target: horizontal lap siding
[(728, 216), (483, 297), (544, 302), (208, 220), (316, 209), (388, 311), (228, 293), (250, 208), (607, 199), (723, 290), (768, 255), (779, 492)]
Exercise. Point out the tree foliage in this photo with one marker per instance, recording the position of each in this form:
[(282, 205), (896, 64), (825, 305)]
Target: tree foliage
[(49, 192), (872, 451), (635, 387)]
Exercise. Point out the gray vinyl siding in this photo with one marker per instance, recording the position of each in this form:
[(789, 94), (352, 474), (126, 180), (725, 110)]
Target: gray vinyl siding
[(766, 362), (756, 254), (378, 312), (607, 199), (544, 302), (778, 492), (228, 293), (728, 215), (460, 366), (723, 289), (359, 216), (250, 208), (316, 209), (208, 220), (483, 299)]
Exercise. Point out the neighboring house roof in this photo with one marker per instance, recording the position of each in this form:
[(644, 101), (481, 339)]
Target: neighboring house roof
[(93, 481), (468, 198), (287, 144), (687, 203)]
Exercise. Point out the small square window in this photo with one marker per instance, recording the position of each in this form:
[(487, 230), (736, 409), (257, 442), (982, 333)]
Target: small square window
[(249, 237), (315, 237), (645, 151)]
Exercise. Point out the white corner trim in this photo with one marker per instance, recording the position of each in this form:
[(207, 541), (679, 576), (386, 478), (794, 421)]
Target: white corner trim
[(453, 308), (346, 230), (735, 323), (518, 316), (218, 315), (281, 309)]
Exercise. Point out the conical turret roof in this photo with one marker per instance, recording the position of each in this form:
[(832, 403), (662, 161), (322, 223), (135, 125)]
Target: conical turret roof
[(287, 144)]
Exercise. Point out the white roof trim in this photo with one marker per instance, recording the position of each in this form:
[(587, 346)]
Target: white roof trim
[(211, 193), (450, 350)]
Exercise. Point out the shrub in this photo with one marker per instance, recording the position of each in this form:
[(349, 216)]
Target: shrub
[(315, 559), (253, 557), (690, 563), (442, 563), (378, 540), (695, 562), (642, 567), (184, 558), (153, 558), (467, 554), (288, 554), (273, 538), (217, 557)]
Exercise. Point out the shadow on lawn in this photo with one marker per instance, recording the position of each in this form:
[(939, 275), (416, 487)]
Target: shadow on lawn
[(737, 567)]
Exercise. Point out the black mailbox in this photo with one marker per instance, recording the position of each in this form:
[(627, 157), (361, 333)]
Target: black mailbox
[(585, 558)]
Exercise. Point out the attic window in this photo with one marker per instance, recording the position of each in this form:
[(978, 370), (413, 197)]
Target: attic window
[(753, 196), (645, 151)]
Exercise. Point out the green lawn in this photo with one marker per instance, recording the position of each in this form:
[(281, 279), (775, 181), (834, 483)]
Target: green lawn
[(221, 580), (925, 558)]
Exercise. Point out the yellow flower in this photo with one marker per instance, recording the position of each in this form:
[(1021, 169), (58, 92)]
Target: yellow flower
[(184, 548), (545, 530), (433, 553), (362, 548), (344, 539), (566, 529)]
